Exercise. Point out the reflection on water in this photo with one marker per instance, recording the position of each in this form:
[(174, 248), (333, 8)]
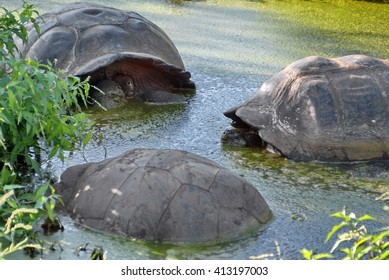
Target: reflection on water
[(231, 47), (360, 176)]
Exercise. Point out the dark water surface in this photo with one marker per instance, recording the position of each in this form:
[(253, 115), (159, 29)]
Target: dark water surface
[(231, 47)]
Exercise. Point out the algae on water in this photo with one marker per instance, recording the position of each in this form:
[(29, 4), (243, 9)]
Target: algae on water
[(325, 26)]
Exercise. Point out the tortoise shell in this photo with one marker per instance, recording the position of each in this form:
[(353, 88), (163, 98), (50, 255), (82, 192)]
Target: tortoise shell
[(164, 196), (84, 39), (323, 109)]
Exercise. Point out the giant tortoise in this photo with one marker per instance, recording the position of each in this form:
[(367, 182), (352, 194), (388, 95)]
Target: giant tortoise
[(163, 196), (124, 54), (322, 109)]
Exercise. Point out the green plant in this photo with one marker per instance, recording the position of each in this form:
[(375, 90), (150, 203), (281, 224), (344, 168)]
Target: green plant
[(39, 111), (14, 227), (38, 108), (364, 245), (21, 213)]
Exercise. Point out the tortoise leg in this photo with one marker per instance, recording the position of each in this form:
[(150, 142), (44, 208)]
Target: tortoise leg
[(242, 137)]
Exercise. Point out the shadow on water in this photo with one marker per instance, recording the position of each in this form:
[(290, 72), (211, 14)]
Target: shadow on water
[(231, 47)]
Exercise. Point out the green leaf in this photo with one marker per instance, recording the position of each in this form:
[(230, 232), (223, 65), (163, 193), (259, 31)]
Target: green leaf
[(50, 210), (39, 202), (384, 255), (4, 119), (40, 192), (323, 256), (334, 230), (12, 203), (307, 254), (53, 152), (86, 139), (337, 215), (27, 196), (33, 164), (381, 236), (13, 187), (349, 255), (365, 218), (13, 104), (362, 241)]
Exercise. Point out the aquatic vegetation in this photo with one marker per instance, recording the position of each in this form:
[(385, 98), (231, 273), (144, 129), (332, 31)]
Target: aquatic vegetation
[(255, 39), (368, 176), (357, 26)]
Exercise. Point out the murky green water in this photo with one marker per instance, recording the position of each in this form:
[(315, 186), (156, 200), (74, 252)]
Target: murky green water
[(231, 47)]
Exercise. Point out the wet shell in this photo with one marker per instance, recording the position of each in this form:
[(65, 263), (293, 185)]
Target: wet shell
[(164, 196), (84, 39), (323, 109)]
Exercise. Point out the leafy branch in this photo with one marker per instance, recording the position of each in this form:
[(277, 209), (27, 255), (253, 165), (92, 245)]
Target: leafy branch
[(40, 110), (364, 245)]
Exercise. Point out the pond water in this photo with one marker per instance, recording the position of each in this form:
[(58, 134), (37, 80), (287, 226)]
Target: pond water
[(231, 47)]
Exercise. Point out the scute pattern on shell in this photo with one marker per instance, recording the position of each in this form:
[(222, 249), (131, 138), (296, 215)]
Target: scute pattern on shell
[(323, 109), (83, 37), (163, 195)]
